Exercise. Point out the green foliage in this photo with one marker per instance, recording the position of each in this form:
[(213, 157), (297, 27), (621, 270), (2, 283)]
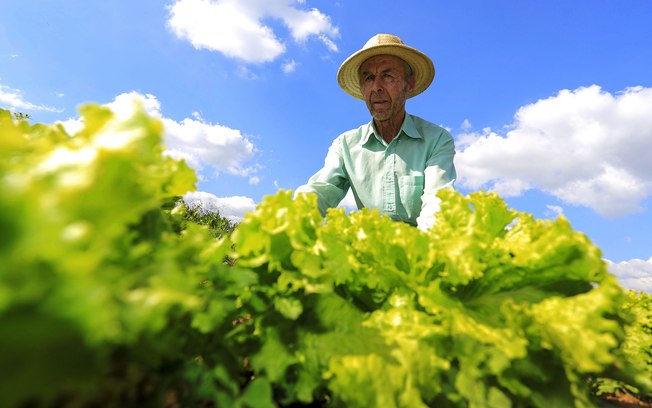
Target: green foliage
[(21, 116), (111, 294), (636, 349), (218, 225), (102, 282), (490, 308)]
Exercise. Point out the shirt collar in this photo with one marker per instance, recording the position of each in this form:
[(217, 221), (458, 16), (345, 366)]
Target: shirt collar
[(407, 127)]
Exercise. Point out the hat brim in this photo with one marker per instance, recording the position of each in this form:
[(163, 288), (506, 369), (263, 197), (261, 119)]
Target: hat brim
[(422, 67)]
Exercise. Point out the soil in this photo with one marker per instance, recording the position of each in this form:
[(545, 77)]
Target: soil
[(624, 400)]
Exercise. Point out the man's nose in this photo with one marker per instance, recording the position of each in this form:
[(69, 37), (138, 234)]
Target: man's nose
[(378, 84)]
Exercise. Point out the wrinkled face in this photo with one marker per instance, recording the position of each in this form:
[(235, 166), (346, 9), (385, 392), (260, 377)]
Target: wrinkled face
[(384, 86)]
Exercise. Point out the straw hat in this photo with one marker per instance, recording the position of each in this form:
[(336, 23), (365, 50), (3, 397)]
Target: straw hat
[(386, 44)]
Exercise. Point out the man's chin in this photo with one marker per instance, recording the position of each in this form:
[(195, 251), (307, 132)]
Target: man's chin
[(381, 117)]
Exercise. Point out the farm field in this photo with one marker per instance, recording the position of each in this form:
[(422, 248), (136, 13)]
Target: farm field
[(114, 293)]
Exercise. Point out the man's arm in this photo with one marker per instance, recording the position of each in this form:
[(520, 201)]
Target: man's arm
[(331, 182), (439, 173)]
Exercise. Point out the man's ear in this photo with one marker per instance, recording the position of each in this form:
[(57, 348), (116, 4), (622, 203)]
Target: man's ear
[(410, 83)]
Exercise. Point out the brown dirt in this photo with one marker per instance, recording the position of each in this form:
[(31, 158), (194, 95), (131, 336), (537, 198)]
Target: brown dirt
[(625, 400)]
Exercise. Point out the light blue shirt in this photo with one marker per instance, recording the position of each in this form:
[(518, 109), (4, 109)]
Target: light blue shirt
[(400, 179)]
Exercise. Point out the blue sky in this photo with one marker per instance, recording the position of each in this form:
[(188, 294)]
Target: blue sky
[(550, 103)]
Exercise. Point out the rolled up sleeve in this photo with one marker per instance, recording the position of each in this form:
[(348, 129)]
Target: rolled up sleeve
[(331, 183)]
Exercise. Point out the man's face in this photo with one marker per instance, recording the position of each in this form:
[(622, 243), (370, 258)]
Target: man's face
[(384, 87)]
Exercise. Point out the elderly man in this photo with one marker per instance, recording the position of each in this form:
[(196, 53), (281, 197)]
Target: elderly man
[(397, 161)]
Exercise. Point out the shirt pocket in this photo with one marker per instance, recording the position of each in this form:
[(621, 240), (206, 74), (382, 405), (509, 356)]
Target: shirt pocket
[(411, 190)]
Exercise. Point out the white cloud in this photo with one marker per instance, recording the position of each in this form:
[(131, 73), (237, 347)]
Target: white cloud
[(124, 104), (634, 274), (332, 47), (72, 125), (585, 146), (13, 99), (236, 29), (201, 143), (555, 210), (234, 208), (348, 202), (220, 147), (289, 66), (245, 73), (466, 125)]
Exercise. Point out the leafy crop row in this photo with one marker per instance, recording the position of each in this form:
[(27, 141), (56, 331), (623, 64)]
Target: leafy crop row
[(110, 295)]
